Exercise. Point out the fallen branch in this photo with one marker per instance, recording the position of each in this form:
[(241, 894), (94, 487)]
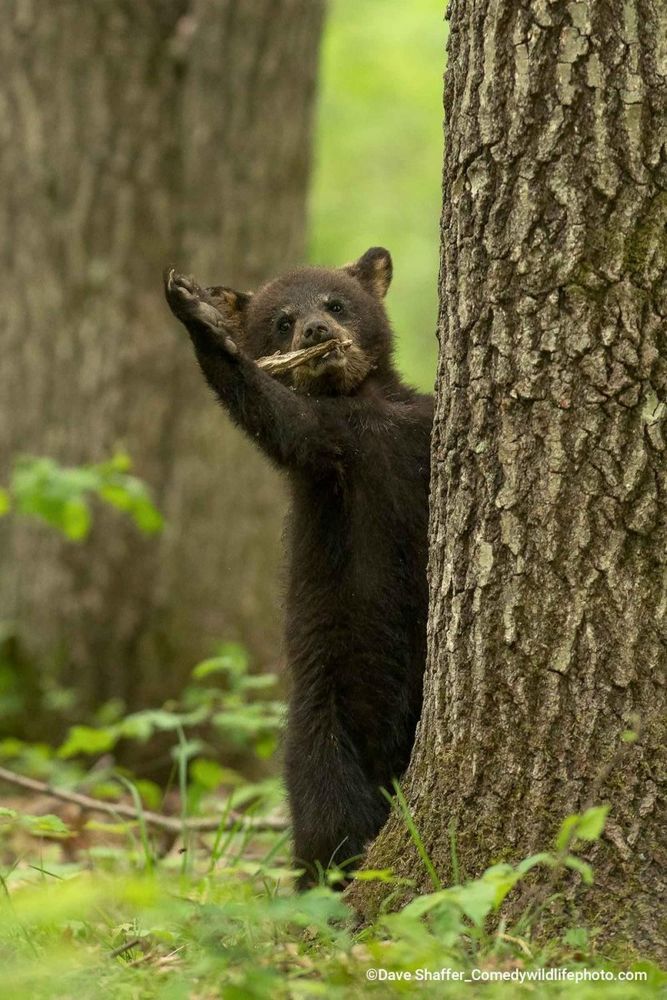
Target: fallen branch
[(279, 364), (127, 946), (206, 824)]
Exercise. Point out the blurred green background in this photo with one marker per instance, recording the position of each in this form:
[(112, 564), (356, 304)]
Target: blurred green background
[(378, 157)]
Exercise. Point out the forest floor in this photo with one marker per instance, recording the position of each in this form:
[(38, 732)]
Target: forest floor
[(93, 905)]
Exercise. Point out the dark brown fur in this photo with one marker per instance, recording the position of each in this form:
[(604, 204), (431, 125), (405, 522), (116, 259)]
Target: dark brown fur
[(354, 441)]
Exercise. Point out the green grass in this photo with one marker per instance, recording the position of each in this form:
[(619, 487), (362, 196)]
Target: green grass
[(95, 905), (378, 157), (105, 926)]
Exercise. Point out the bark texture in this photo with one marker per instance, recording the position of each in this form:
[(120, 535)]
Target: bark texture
[(135, 134), (548, 627)]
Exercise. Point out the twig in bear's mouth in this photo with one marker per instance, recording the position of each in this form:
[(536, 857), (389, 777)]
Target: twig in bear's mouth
[(279, 364)]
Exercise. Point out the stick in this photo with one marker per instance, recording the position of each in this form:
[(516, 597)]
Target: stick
[(132, 943), (206, 824), (279, 364)]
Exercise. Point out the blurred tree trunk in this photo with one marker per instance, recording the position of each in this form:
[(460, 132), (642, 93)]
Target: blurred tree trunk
[(547, 629), (135, 135)]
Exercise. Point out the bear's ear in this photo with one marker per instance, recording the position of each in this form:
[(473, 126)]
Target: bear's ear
[(373, 270), (232, 304)]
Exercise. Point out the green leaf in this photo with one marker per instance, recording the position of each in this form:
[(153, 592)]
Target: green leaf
[(107, 789), (447, 925), (104, 826), (243, 724), (477, 899), (430, 901), (214, 665), (48, 824), (566, 831), (400, 803), (187, 750), (141, 725), (207, 773), (85, 739), (75, 519), (536, 859), (149, 792), (147, 518), (580, 866), (11, 747), (577, 937), (591, 824), (120, 462), (5, 502), (502, 879), (374, 875), (116, 496), (266, 745), (258, 682), (129, 494), (237, 655), (59, 495)]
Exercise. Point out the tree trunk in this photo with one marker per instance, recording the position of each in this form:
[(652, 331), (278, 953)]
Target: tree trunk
[(547, 630), (135, 135)]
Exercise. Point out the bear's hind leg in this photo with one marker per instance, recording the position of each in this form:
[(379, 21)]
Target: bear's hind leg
[(336, 808)]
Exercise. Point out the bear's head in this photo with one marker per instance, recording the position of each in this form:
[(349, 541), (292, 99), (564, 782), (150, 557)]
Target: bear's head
[(312, 305)]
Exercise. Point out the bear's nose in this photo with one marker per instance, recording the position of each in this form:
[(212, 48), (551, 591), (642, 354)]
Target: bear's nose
[(315, 332)]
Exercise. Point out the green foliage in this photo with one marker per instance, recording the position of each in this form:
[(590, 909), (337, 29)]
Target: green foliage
[(378, 157), (585, 826), (45, 825), (237, 930), (215, 915), (225, 703), (60, 496), (38, 760)]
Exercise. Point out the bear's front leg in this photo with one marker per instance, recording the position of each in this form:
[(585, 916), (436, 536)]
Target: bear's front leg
[(189, 303)]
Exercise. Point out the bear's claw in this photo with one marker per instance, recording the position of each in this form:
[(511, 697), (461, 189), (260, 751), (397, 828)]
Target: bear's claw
[(188, 302)]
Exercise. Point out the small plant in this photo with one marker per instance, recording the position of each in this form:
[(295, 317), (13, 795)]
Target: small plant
[(465, 909), (93, 905), (60, 496), (224, 702), (45, 825), (236, 929)]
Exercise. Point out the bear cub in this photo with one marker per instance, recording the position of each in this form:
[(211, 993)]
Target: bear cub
[(354, 442)]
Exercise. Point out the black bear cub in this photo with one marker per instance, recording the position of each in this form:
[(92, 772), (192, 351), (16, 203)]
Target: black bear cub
[(354, 441)]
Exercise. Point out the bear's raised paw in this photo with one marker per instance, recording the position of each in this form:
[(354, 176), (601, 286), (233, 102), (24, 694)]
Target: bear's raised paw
[(189, 304)]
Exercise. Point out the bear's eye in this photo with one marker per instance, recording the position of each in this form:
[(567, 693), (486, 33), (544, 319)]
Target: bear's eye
[(284, 324), (335, 306)]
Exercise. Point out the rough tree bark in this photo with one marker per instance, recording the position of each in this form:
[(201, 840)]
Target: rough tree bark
[(135, 134), (547, 629)]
